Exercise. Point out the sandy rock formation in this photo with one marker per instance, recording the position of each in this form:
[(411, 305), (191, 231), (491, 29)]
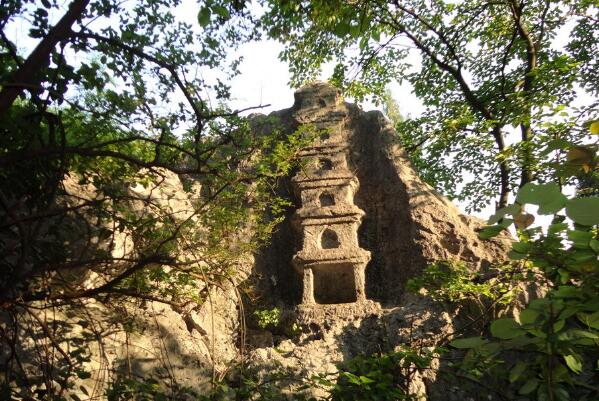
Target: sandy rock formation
[(330, 262), (356, 171), (142, 340)]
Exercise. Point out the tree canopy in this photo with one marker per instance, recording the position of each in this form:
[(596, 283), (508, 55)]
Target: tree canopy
[(117, 106), (502, 81)]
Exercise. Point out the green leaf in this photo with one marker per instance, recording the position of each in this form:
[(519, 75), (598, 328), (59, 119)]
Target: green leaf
[(576, 333), (556, 228), (574, 363), (567, 291), (580, 239), (560, 393), (564, 275), (470, 342), (582, 255), (492, 231), (590, 319), (506, 329), (584, 211), (555, 144), (548, 196), (516, 371), (528, 316), (528, 387), (204, 17), (513, 210), (516, 255), (342, 28), (489, 349), (376, 35), (521, 247), (221, 11)]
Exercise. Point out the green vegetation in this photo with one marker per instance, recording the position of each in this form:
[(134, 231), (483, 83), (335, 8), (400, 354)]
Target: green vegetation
[(97, 125), (497, 79), (114, 103), (268, 318), (553, 341), (381, 377)]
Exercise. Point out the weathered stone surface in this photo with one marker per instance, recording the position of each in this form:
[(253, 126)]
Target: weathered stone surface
[(405, 225), (145, 340)]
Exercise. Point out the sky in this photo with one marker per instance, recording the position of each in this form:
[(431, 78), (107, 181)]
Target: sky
[(264, 79)]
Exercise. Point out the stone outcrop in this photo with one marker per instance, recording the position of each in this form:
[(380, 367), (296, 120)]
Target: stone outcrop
[(402, 223), (138, 340), (364, 225)]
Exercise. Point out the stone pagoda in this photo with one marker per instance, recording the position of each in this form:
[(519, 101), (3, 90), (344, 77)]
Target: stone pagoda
[(330, 262)]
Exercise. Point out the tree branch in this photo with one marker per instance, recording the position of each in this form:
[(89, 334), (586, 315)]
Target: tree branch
[(456, 73), (28, 74), (153, 59), (529, 78)]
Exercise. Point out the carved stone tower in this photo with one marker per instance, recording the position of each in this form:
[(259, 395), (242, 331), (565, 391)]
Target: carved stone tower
[(331, 263)]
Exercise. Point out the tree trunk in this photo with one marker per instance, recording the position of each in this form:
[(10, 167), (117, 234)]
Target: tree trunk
[(27, 76), (504, 170)]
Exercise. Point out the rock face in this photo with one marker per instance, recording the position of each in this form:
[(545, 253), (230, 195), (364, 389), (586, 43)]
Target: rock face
[(357, 172), (147, 341), (364, 224)]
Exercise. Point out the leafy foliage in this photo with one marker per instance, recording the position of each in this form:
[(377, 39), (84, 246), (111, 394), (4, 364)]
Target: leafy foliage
[(497, 82), (385, 377), (553, 341), (380, 377), (268, 318), (125, 178), (455, 282)]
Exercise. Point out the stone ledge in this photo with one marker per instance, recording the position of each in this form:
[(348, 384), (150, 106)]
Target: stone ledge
[(331, 257), (327, 183), (319, 313), (327, 220), (324, 212), (339, 174), (321, 149)]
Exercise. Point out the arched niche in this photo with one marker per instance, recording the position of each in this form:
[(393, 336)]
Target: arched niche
[(326, 199), (325, 135), (329, 239), (325, 164)]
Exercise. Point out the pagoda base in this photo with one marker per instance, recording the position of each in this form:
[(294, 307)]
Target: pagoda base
[(321, 313)]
